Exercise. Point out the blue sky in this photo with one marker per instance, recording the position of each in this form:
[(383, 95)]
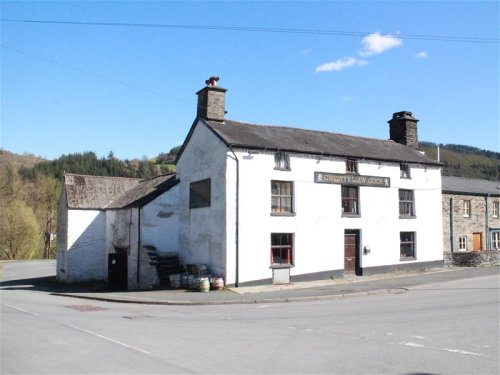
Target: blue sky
[(69, 88)]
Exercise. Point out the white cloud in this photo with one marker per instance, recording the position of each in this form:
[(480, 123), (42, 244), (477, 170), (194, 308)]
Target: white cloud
[(306, 52), (346, 99), (340, 64), (422, 55), (377, 43)]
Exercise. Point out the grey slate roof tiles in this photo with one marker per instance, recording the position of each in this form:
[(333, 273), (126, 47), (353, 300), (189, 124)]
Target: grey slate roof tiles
[(278, 138), (470, 186)]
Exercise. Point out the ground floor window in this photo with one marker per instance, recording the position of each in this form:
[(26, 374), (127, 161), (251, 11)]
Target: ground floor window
[(407, 245), (281, 249), (462, 243), (495, 240)]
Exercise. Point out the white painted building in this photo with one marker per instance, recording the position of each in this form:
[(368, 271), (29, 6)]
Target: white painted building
[(113, 219), (260, 203), (257, 201)]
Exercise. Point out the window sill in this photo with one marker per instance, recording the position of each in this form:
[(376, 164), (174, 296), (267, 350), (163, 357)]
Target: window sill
[(407, 259), (282, 169), (407, 217), (280, 266), (282, 213), (350, 215)]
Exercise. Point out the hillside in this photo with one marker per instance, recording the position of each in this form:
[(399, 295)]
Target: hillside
[(17, 161), (465, 161)]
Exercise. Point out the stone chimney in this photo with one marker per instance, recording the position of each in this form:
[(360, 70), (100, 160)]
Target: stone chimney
[(403, 129), (211, 101)]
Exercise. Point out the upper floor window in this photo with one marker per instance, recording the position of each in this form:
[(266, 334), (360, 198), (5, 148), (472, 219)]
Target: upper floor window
[(281, 197), (282, 161), (199, 194), (350, 200), (467, 208), (281, 249), (406, 203), (404, 170), (462, 243), (407, 245), (351, 166), (496, 208)]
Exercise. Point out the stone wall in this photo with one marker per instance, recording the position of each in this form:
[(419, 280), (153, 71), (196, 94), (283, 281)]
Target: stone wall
[(472, 259)]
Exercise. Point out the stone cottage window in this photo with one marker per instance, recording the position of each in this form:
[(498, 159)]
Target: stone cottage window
[(200, 194), (462, 243), (281, 197), (281, 249), (495, 209), (495, 240), (282, 161), (406, 203), (407, 245), (467, 208)]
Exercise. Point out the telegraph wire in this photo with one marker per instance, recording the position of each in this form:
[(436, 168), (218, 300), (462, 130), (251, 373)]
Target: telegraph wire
[(441, 38), (95, 74)]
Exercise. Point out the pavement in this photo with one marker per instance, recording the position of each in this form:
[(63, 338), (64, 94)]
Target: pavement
[(348, 287)]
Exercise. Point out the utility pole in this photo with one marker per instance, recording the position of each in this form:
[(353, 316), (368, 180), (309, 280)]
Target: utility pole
[(48, 235)]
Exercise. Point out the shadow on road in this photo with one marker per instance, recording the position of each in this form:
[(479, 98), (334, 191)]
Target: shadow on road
[(51, 285)]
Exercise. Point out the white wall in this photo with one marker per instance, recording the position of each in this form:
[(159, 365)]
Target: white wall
[(202, 234), (160, 222), (318, 225), (86, 246)]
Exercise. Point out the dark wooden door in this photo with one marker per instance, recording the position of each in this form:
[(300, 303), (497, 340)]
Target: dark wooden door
[(350, 253), (117, 271)]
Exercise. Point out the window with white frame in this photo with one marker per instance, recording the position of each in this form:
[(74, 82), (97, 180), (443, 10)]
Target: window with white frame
[(404, 170), (282, 161), (351, 166), (406, 203), (496, 206), (467, 208), (350, 200), (495, 240), (462, 243), (281, 249), (407, 245), (281, 197)]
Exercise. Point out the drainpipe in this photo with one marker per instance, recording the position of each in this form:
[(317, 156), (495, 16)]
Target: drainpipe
[(138, 244), (452, 226), (486, 223), (237, 229)]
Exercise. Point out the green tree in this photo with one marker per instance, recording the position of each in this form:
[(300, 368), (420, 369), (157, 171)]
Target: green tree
[(20, 235)]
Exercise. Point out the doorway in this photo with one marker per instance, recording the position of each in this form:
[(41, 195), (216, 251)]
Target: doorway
[(477, 241), (117, 271), (351, 252)]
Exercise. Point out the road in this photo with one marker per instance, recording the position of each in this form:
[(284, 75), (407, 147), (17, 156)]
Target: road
[(446, 328)]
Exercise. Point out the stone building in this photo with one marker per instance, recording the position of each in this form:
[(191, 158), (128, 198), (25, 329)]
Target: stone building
[(471, 220)]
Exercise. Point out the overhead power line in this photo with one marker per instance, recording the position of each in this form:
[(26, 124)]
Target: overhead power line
[(442, 38)]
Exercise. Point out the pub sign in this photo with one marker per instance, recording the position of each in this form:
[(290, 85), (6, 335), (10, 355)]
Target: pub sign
[(351, 179)]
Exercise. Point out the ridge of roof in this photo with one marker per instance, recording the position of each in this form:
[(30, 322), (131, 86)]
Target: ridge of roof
[(314, 142)]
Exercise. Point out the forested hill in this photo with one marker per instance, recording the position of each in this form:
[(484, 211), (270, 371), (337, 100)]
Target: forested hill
[(465, 161)]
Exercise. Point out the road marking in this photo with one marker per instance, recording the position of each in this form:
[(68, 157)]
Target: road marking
[(18, 308), (443, 349), (418, 337), (461, 352), (107, 338)]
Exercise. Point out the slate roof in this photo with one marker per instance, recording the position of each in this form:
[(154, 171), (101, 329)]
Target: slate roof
[(100, 192), (144, 192), (469, 186), (278, 138)]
